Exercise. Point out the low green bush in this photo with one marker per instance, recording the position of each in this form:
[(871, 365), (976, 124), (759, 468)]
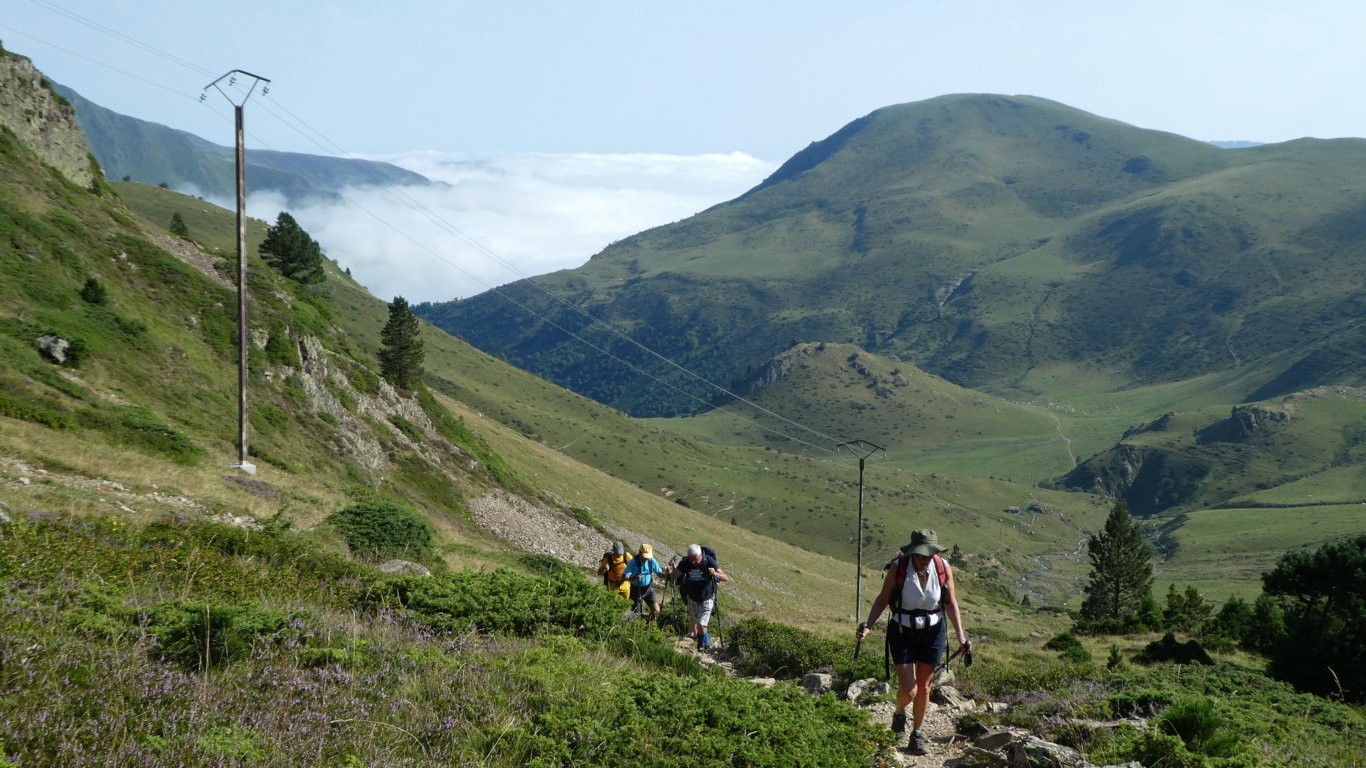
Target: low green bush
[(706, 720), (140, 428), (383, 529), (1199, 727), (511, 603), (1171, 649), (764, 647), (199, 635), (1069, 648)]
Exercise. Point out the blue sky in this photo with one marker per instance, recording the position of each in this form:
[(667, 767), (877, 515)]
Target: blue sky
[(571, 124)]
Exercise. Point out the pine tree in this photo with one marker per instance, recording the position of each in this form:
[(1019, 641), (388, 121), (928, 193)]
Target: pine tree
[(94, 292), (400, 354), (1186, 611), (292, 252), (178, 226), (1119, 591), (1324, 592)]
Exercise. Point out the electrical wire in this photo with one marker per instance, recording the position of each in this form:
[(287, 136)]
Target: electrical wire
[(318, 138)]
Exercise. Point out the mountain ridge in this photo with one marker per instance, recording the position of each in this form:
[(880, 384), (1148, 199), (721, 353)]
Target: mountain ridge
[(927, 231), (152, 153)]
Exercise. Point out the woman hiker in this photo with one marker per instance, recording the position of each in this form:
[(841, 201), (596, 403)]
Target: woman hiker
[(920, 592)]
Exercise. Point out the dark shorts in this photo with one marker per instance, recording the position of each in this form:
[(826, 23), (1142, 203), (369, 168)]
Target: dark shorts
[(639, 593), (906, 645)]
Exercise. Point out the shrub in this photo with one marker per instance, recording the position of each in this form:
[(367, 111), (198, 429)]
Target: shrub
[(139, 427), (381, 529), (37, 410), (766, 648), (511, 603), (1199, 727), (94, 292), (201, 635), (650, 644), (1171, 649), (1069, 648)]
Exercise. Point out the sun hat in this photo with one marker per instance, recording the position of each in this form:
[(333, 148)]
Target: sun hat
[(923, 542), (646, 550)]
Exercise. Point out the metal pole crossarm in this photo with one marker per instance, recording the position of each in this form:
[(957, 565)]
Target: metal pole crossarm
[(857, 448), (231, 76)]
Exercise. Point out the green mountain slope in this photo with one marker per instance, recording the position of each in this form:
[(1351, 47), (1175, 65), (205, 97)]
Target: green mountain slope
[(155, 154), (997, 242), (1185, 461)]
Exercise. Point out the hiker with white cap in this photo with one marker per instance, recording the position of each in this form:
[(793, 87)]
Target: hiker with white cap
[(916, 635), (696, 576), (641, 572)]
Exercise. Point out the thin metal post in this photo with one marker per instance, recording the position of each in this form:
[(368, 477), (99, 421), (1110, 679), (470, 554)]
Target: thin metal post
[(858, 573), (243, 462)]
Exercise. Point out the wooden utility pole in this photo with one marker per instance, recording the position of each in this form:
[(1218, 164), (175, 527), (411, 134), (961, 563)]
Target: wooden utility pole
[(243, 463)]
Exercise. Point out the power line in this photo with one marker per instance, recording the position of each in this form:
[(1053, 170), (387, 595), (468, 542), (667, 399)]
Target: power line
[(320, 139)]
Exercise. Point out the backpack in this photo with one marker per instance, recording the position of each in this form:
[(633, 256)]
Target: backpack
[(902, 563), (616, 571), (709, 552)]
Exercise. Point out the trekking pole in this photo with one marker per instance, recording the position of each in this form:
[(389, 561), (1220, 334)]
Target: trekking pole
[(964, 650)]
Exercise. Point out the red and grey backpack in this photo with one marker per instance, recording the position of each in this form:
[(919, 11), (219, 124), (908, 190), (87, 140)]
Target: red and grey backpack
[(902, 564)]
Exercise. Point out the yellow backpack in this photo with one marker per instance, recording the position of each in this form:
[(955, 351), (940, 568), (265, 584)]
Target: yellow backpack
[(616, 569)]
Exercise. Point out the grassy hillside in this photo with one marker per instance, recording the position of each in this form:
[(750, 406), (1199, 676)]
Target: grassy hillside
[(1002, 243)]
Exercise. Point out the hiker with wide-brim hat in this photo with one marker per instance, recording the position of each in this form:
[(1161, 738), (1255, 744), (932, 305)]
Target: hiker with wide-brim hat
[(920, 591)]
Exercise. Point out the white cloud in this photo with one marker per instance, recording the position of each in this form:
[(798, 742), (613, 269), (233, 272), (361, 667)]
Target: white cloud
[(501, 218)]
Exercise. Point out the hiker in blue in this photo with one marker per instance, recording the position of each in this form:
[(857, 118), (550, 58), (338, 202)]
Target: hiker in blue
[(916, 635), (641, 572), (696, 576)]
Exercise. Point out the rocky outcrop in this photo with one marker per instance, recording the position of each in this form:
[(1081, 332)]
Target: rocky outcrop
[(43, 121), (358, 414), (1148, 479)]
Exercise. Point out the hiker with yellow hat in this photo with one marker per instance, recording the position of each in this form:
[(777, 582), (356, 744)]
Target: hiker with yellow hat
[(916, 635), (641, 572)]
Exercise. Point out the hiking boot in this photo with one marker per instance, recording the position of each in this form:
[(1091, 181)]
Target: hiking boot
[(898, 722), (919, 745)]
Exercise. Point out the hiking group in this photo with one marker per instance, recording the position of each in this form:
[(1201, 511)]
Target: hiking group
[(696, 576), (918, 604)]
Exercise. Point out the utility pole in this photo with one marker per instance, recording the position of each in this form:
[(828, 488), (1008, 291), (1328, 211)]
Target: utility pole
[(862, 449), (243, 463)]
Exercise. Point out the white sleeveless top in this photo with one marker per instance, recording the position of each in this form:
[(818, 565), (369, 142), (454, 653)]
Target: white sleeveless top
[(914, 598)]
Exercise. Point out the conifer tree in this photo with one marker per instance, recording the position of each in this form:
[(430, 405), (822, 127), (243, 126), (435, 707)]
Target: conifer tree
[(178, 226), (1119, 591), (1324, 593), (401, 354), (292, 251)]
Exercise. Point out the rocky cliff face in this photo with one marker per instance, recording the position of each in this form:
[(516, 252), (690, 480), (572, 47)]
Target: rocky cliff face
[(42, 120)]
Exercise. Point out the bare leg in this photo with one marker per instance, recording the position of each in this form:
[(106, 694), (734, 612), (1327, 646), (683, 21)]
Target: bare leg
[(905, 689), (923, 674)]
